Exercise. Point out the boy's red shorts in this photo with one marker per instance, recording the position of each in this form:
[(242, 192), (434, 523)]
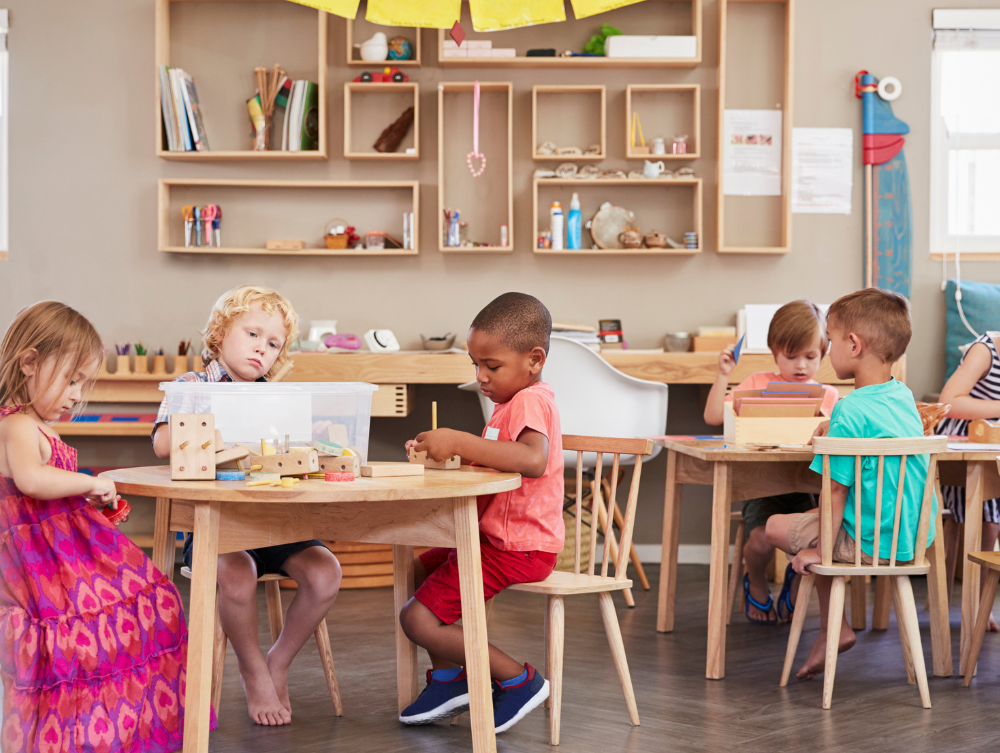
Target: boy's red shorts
[(440, 591)]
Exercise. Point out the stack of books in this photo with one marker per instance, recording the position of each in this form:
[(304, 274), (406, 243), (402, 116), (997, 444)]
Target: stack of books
[(182, 122), (581, 333), (301, 128)]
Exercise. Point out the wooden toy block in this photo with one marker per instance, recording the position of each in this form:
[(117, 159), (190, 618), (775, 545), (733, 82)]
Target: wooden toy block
[(744, 430), (451, 464), (337, 433), (383, 470), (219, 444), (290, 464), (233, 455), (192, 447), (328, 448), (261, 476), (344, 464), (249, 449), (982, 431)]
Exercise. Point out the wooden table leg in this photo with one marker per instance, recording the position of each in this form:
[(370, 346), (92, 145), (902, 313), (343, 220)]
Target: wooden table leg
[(164, 547), (937, 602), (975, 481), (477, 655), (201, 627), (718, 609), (406, 651), (668, 555)]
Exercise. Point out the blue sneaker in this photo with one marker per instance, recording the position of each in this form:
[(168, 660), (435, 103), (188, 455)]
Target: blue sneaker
[(438, 700), (511, 705)]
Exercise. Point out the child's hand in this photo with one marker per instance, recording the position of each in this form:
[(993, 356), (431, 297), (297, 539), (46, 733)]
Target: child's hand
[(440, 444), (821, 431), (409, 443), (102, 493), (805, 558), (726, 361)]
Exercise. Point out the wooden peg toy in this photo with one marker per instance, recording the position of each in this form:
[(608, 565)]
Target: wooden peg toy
[(982, 431), (384, 470), (291, 464), (344, 464), (191, 455), (234, 455), (449, 464)]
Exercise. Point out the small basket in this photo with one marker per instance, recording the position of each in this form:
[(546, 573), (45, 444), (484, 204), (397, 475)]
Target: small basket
[(335, 240)]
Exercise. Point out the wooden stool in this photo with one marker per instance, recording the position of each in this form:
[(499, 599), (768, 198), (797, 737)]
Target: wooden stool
[(272, 592), (990, 561)]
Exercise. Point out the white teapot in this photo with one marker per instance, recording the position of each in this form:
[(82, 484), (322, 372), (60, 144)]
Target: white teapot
[(653, 169)]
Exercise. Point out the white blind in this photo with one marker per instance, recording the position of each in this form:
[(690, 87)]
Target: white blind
[(966, 39)]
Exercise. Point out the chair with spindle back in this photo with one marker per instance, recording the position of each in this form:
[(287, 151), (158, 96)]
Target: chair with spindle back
[(584, 580), (902, 592)]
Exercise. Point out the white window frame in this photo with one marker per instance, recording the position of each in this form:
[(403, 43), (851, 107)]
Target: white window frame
[(944, 246)]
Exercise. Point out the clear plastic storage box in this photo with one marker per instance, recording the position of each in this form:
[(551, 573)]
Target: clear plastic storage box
[(304, 411)]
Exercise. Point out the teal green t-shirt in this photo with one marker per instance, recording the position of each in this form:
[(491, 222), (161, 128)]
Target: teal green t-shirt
[(880, 411)]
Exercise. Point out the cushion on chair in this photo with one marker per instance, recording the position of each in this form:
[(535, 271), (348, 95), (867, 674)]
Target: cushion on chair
[(981, 305)]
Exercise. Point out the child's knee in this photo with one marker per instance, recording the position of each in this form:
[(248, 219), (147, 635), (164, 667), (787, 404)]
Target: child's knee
[(323, 580), (412, 617), (772, 530), (237, 576)]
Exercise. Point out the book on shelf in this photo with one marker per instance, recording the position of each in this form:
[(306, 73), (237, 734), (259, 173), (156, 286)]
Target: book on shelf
[(300, 132), (193, 107), (182, 120)]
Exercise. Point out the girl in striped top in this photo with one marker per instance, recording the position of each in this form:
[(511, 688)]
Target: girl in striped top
[(973, 391)]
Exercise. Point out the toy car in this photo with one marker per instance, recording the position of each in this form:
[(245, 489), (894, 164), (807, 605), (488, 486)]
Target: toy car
[(390, 75)]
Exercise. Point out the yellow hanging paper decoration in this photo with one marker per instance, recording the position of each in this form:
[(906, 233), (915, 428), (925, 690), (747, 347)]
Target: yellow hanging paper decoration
[(345, 8), (584, 8), (429, 14), (494, 15)]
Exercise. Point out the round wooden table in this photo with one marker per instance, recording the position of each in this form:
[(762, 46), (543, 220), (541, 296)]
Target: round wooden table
[(435, 509)]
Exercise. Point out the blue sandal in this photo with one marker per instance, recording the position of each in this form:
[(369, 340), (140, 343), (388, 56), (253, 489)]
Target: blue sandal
[(785, 597), (749, 600)]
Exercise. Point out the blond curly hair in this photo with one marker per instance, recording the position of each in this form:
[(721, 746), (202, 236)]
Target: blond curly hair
[(238, 301)]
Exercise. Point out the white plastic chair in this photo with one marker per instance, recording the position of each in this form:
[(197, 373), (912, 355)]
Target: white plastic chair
[(597, 400)]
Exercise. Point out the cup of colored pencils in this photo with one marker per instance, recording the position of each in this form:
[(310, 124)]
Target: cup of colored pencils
[(261, 106)]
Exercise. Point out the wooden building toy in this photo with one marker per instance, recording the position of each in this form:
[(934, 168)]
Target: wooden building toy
[(343, 464), (448, 464), (385, 470), (192, 447), (231, 457), (290, 464), (983, 431)]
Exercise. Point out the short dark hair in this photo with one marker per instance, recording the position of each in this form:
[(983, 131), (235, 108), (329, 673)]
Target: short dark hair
[(521, 321), (794, 328), (881, 317)]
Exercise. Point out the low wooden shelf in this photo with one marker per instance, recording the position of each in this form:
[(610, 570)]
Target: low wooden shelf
[(574, 126), (635, 93), (374, 90)]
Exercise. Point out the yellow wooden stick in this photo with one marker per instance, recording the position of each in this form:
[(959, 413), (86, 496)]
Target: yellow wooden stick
[(434, 416)]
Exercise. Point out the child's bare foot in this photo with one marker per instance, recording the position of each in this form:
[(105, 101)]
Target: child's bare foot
[(817, 657), (991, 626), (279, 676), (263, 703)]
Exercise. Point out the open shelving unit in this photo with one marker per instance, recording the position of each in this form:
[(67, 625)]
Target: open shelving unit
[(653, 18), (248, 214), (631, 189), (578, 121), (763, 222), (454, 177), (358, 30), (377, 105), (222, 95), (661, 107)]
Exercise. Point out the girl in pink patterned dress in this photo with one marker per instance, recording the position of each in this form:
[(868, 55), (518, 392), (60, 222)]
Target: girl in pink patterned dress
[(93, 643)]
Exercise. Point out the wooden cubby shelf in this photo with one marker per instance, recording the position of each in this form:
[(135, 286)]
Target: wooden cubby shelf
[(282, 37), (633, 190), (455, 181), (251, 213), (580, 121), (375, 106), (665, 111), (653, 20), (364, 30), (764, 223)]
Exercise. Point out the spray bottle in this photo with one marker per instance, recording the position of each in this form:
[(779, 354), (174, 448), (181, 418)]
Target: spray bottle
[(574, 224), (557, 223)]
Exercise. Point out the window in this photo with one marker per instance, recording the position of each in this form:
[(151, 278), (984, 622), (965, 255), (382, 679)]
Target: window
[(965, 134)]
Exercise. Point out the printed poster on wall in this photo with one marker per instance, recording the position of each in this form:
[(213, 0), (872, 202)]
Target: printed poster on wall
[(751, 158), (822, 170)]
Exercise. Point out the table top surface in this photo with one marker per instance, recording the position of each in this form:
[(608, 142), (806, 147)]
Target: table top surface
[(716, 450), (154, 481)]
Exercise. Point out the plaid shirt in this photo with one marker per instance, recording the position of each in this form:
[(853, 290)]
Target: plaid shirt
[(213, 373)]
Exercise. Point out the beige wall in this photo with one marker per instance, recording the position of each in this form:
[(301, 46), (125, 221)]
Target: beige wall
[(83, 207)]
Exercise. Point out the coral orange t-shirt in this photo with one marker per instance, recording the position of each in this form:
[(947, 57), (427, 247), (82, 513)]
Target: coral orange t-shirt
[(759, 380), (529, 518)]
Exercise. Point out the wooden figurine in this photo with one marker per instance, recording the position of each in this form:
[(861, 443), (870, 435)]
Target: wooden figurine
[(382, 470), (982, 431), (449, 464), (289, 464), (343, 464), (192, 447)]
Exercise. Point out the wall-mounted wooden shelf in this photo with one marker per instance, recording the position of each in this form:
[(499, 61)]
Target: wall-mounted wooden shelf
[(375, 106), (579, 31), (755, 218), (581, 120), (454, 177), (665, 110), (249, 215), (356, 35), (222, 92), (585, 186)]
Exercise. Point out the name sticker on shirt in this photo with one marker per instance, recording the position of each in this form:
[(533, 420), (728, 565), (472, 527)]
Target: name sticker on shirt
[(492, 432)]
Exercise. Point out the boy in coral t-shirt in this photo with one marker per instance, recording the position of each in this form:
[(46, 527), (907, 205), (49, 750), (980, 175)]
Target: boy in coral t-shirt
[(521, 531)]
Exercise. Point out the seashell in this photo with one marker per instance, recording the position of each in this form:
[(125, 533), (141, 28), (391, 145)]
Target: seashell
[(684, 172), (589, 171), (593, 149), (542, 172), (568, 151), (566, 170), (633, 174), (614, 174), (546, 147)]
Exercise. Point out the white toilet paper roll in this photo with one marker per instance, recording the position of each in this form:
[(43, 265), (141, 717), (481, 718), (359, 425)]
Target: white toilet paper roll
[(889, 88)]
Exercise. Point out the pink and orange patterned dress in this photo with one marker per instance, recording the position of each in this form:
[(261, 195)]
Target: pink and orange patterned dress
[(93, 643)]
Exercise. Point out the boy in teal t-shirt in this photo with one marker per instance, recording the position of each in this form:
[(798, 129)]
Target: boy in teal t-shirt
[(868, 332)]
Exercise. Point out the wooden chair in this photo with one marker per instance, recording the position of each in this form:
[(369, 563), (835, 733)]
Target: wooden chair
[(902, 592), (272, 593), (991, 562), (583, 581)]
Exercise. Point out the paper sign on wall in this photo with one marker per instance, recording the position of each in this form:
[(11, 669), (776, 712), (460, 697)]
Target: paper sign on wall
[(751, 153), (822, 170)]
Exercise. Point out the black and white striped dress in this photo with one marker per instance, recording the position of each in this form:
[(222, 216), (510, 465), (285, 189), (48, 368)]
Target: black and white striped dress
[(987, 388)]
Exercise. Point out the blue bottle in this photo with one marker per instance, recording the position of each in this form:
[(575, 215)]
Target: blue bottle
[(574, 224)]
